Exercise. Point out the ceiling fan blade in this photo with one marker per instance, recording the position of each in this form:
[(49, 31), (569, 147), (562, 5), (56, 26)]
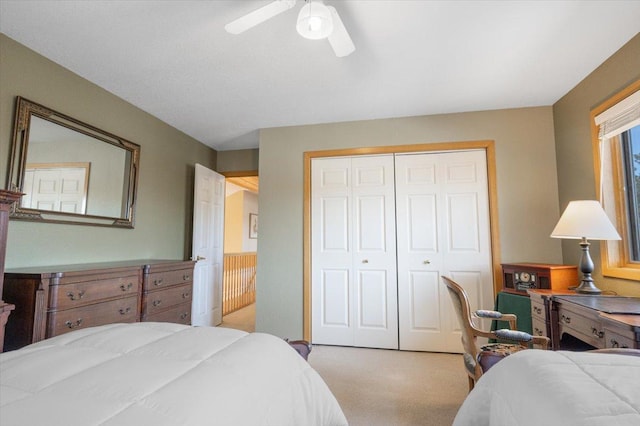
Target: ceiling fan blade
[(258, 16), (339, 38)]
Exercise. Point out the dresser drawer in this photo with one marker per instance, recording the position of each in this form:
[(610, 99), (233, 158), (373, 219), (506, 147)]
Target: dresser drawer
[(180, 314), (157, 280), (581, 323), (87, 292), (119, 310), (156, 301)]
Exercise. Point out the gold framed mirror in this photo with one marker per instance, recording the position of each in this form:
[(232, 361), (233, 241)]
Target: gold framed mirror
[(70, 171)]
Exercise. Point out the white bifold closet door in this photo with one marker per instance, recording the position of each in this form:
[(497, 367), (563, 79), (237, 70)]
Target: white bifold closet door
[(354, 289), (384, 230), (443, 228)]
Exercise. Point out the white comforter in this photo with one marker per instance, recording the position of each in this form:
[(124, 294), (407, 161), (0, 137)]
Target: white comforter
[(548, 388), (162, 374)]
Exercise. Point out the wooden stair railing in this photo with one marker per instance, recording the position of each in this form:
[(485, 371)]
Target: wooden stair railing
[(239, 281)]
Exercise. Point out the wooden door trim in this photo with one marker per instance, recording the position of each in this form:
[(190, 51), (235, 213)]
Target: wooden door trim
[(487, 145)]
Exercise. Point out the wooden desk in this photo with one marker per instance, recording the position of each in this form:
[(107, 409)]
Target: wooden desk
[(599, 321)]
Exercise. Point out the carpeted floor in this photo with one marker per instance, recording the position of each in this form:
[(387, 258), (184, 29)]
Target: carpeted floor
[(242, 319), (384, 387)]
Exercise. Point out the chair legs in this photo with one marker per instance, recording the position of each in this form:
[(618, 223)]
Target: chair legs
[(471, 383)]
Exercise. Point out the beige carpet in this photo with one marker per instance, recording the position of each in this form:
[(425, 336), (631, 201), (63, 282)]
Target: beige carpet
[(242, 319), (384, 387)]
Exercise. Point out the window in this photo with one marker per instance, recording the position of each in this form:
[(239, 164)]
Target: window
[(631, 163), (616, 141)]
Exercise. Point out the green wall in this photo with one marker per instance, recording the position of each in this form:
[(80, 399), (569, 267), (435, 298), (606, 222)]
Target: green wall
[(576, 178), (165, 191), (243, 160), (526, 181)]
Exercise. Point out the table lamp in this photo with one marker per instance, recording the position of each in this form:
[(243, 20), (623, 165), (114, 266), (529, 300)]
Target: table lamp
[(582, 220)]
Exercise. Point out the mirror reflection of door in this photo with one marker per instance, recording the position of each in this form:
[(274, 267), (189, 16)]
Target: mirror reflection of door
[(60, 187)]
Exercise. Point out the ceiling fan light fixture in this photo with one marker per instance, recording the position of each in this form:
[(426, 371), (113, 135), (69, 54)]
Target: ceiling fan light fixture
[(314, 21)]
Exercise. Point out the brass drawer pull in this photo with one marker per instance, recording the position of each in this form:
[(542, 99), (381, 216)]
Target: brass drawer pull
[(186, 277), (124, 311), (538, 331), (186, 295), (127, 287), (156, 303), (614, 343), (537, 310), (72, 296), (598, 334), (73, 325), (157, 282), (184, 315), (566, 319)]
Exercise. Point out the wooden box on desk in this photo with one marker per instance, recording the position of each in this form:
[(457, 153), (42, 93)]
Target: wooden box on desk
[(520, 277)]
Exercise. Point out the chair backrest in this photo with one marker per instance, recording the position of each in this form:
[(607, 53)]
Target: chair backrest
[(469, 331)]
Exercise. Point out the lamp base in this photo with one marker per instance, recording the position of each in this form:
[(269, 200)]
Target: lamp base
[(587, 287), (586, 267)]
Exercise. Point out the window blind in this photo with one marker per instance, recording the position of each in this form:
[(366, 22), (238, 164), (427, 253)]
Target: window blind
[(620, 117)]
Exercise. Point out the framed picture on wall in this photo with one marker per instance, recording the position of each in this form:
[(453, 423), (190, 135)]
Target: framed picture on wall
[(253, 225)]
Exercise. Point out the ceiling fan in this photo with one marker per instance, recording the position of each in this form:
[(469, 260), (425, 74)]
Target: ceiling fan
[(316, 21)]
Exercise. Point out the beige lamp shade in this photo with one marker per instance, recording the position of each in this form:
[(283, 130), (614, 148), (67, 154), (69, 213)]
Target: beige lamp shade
[(585, 219)]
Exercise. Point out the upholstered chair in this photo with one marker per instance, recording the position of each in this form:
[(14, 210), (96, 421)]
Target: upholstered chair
[(480, 358)]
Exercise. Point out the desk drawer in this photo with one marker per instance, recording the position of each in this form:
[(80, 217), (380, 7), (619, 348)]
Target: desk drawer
[(581, 323), (539, 327), (156, 301), (82, 293), (615, 340), (119, 310), (537, 310)]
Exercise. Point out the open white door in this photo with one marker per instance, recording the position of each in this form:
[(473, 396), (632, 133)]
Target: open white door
[(207, 249)]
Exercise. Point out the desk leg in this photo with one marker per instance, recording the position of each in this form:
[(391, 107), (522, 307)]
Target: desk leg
[(553, 326)]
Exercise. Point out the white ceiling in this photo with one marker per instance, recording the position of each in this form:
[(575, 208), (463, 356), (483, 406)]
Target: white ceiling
[(174, 59)]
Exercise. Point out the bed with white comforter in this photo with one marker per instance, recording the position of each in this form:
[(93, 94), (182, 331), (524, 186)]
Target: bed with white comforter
[(162, 374), (536, 387)]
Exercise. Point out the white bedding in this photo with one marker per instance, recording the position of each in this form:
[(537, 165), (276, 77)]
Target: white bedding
[(162, 374), (536, 387)]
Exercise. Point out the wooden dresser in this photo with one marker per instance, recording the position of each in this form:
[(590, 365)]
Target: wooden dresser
[(167, 289), (54, 300), (7, 198)]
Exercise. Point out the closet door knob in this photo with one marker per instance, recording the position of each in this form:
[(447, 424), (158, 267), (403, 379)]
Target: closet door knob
[(365, 261), (427, 262)]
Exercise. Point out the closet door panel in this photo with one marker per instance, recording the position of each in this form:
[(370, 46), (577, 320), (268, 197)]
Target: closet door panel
[(376, 328), (374, 259), (335, 287), (463, 227), (353, 232), (334, 214), (372, 300), (443, 198), (421, 220), (331, 291), (424, 290), (371, 224)]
